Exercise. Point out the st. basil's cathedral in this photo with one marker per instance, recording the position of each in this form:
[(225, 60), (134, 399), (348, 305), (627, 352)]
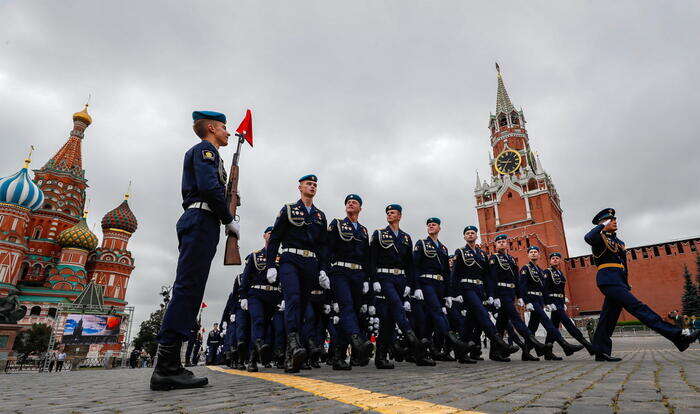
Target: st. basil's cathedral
[(48, 254)]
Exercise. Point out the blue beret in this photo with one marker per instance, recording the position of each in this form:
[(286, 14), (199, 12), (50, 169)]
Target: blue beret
[(268, 229), (533, 248), (353, 197), (555, 254), (501, 237), (216, 116), (473, 228), (309, 177), (393, 207), (603, 214), (433, 220)]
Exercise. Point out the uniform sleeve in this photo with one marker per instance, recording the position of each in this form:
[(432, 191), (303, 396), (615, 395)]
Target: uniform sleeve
[(446, 271), (593, 237), (246, 277), (547, 286), (332, 239), (279, 231), (366, 259), (410, 267), (489, 281), (206, 173), (493, 271), (417, 260), (453, 287), (373, 255), (323, 252)]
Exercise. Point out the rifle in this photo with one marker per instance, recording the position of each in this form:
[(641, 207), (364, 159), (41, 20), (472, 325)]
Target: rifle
[(232, 255)]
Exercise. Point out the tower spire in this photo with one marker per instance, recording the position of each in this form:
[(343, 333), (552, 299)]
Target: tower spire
[(503, 103)]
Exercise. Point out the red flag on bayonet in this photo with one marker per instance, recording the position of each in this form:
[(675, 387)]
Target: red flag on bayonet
[(246, 127), (204, 305)]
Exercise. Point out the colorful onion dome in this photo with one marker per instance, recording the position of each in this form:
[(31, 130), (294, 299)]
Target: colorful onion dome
[(20, 190), (78, 236), (121, 218), (83, 116)]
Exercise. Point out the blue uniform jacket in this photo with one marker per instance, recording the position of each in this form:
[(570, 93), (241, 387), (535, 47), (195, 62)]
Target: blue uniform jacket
[(392, 252), (298, 229), (204, 179), (531, 280), (554, 283), (232, 303), (347, 244), (471, 264), (254, 272), (504, 270), (434, 259), (214, 338), (608, 249)]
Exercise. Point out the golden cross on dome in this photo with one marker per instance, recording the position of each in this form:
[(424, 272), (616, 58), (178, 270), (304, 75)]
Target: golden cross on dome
[(28, 160), (128, 191)]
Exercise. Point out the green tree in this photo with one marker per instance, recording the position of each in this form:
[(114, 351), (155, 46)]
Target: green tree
[(34, 339), (690, 300)]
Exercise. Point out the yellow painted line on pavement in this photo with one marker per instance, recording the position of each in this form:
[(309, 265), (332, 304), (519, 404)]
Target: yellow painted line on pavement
[(365, 399)]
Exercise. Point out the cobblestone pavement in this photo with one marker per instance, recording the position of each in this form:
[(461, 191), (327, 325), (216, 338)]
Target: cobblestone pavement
[(653, 378)]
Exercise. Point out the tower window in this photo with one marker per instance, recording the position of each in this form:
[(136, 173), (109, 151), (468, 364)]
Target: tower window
[(36, 310), (634, 254), (581, 262), (668, 249), (679, 245), (692, 247), (656, 251), (37, 233), (514, 119), (52, 312), (502, 121), (645, 254)]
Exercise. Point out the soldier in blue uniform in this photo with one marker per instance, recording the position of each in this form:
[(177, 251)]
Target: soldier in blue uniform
[(214, 340), (555, 292), (348, 254), (204, 201), (610, 257), (243, 342), (504, 273), (472, 284), (229, 316), (393, 277), (299, 237), (432, 263), (260, 298), (532, 285)]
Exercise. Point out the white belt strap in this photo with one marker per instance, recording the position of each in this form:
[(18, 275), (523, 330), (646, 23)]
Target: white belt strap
[(352, 266), (474, 281), (391, 271), (300, 252), (200, 204), (535, 293), (266, 287), (435, 277), (508, 285)]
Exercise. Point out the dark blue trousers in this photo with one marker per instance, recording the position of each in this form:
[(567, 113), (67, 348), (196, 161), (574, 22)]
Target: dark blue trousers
[(478, 314), (508, 313), (347, 289), (278, 328), (539, 316), (197, 235), (559, 316), (298, 276), (261, 306), (393, 287), (243, 326), (617, 298), (434, 295), (313, 328), (230, 336), (418, 317)]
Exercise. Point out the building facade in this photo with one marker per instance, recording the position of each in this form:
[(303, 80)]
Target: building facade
[(48, 255), (520, 200)]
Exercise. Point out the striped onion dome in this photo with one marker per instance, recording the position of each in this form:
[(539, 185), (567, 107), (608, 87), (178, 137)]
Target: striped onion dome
[(20, 190), (78, 236), (121, 218)]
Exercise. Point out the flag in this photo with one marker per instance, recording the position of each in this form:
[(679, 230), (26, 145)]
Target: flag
[(204, 305), (246, 127)]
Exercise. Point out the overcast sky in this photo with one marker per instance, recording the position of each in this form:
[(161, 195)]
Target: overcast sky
[(390, 100)]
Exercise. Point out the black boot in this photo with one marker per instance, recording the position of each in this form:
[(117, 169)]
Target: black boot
[(497, 356), (380, 358), (169, 373), (540, 348), (232, 358), (422, 359), (550, 356), (684, 341), (360, 349), (296, 354), (305, 364), (503, 346), (279, 358), (587, 345), (459, 346), (263, 351), (607, 358), (568, 348), (339, 355), (242, 356), (314, 361), (253, 365), (527, 356)]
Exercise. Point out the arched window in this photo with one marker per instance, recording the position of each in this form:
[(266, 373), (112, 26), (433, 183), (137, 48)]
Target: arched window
[(36, 310), (37, 233), (52, 312), (503, 121), (24, 270), (514, 119), (36, 270), (47, 271)]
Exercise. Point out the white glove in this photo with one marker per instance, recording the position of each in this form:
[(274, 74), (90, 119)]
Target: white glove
[(547, 308), (336, 307), (458, 299), (326, 309), (565, 306), (448, 302), (605, 223), (371, 310), (376, 325), (418, 294), (363, 309), (365, 287), (377, 287), (336, 320), (224, 326), (406, 291), (281, 306), (520, 302), (233, 229), (444, 310), (464, 312), (232, 318), (323, 280), (566, 300), (407, 306), (553, 307), (529, 307), (497, 303), (271, 275), (489, 300), (244, 304)]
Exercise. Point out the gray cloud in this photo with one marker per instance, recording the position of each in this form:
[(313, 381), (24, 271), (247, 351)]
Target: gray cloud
[(385, 99)]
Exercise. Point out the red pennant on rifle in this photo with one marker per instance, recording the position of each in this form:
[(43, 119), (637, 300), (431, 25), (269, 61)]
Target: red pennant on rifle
[(246, 127), (204, 305)]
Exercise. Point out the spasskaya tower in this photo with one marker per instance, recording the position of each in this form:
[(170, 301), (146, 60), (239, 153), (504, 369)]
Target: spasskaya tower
[(520, 199)]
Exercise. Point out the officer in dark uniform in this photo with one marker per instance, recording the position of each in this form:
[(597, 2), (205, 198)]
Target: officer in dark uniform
[(260, 298), (243, 342), (393, 277), (555, 292), (348, 251), (610, 257), (472, 284), (504, 273), (531, 286), (213, 343), (190, 346), (432, 262), (204, 201), (299, 237), (229, 316)]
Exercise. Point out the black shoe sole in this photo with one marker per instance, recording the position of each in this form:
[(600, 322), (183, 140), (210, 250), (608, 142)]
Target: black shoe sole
[(171, 386)]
